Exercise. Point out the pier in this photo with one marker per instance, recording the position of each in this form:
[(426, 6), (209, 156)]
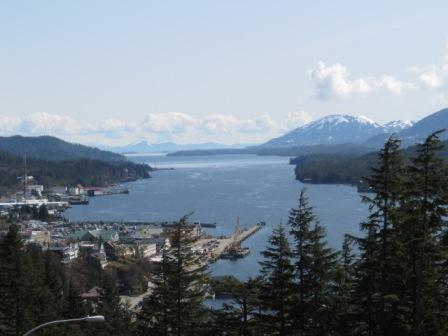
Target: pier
[(217, 246)]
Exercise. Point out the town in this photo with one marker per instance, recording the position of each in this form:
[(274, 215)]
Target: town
[(130, 249)]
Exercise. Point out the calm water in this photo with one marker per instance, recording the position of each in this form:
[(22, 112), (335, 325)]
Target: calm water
[(222, 188)]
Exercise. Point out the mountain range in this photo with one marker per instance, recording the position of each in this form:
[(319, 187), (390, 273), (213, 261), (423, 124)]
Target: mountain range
[(145, 147), (336, 129), (339, 129)]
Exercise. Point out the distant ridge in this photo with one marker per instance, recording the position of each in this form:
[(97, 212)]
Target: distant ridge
[(335, 129), (421, 129), (53, 149), (145, 147)]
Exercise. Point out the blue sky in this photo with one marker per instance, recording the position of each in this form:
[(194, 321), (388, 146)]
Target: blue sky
[(115, 72)]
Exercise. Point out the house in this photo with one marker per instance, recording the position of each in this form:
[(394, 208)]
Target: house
[(115, 251), (76, 190), (61, 190), (68, 253), (41, 237), (91, 296), (94, 191), (146, 250), (35, 190)]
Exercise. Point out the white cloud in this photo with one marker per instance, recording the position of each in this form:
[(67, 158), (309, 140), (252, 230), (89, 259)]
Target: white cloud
[(46, 123), (219, 123), (335, 82), (429, 76), (393, 85), (296, 119), (112, 125), (263, 123), (8, 123), (170, 122), (175, 126)]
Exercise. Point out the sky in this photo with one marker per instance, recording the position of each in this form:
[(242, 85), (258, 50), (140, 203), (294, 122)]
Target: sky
[(235, 71)]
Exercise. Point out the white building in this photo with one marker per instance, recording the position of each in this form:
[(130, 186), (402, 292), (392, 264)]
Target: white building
[(146, 250)]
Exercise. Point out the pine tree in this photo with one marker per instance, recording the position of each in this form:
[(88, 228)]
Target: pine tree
[(73, 304), (175, 305), (117, 317), (343, 303), (14, 299), (424, 212), (382, 249), (235, 318), (277, 288), (315, 267), (54, 280)]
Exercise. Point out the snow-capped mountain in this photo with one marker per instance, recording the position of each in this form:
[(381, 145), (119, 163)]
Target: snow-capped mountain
[(332, 129), (396, 126)]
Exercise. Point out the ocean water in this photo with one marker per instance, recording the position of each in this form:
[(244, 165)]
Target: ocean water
[(222, 189)]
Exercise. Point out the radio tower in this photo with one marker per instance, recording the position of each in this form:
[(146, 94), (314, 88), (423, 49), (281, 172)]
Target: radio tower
[(25, 178)]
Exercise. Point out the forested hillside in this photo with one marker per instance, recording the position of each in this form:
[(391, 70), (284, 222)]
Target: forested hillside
[(339, 168), (53, 149), (84, 171)]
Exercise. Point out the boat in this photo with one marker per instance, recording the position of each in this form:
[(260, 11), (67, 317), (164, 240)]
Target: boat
[(236, 253)]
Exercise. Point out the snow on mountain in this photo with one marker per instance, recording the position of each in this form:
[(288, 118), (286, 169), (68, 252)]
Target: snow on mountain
[(332, 129), (398, 125)]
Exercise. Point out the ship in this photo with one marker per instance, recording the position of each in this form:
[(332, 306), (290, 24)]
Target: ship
[(235, 251)]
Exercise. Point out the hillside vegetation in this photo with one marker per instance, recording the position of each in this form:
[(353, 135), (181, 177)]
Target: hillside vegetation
[(342, 169), (84, 171), (53, 149)]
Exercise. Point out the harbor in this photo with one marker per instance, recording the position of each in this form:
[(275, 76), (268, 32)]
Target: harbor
[(215, 248)]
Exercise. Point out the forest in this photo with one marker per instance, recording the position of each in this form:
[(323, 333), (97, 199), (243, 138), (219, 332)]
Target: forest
[(391, 279), (344, 167), (71, 172)]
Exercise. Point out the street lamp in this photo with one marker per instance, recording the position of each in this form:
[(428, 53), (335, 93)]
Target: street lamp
[(96, 318)]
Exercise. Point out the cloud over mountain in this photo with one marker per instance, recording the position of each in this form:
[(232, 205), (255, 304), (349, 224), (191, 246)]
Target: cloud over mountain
[(157, 126), (335, 82)]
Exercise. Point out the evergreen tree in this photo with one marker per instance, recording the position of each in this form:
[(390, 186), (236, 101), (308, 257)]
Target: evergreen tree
[(235, 318), (73, 304), (343, 290), (315, 267), (117, 317), (54, 280), (277, 288), (175, 305), (14, 297), (382, 249), (424, 212), (43, 213)]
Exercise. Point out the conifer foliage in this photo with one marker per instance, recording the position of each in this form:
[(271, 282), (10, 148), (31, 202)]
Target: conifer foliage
[(277, 289), (315, 266), (174, 306)]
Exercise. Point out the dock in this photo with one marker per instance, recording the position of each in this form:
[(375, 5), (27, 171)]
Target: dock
[(217, 246)]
